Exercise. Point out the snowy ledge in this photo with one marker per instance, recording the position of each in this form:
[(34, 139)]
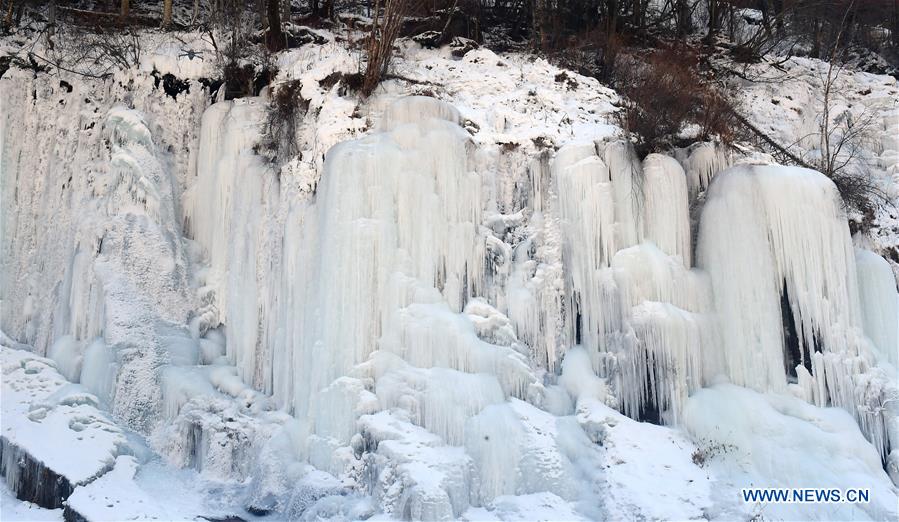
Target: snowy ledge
[(54, 437)]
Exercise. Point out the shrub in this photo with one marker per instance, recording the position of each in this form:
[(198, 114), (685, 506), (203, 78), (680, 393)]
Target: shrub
[(665, 96), (385, 28), (286, 109)]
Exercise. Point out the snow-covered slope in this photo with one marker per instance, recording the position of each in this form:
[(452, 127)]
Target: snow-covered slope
[(465, 297)]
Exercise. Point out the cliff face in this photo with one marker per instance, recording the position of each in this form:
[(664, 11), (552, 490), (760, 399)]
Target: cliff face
[(436, 306)]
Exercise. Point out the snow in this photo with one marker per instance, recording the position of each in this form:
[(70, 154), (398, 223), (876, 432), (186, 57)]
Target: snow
[(755, 439), (40, 408), (12, 508), (534, 507), (115, 496), (636, 455)]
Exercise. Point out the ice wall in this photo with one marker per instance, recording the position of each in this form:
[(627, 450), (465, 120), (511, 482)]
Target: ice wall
[(775, 241), (229, 210), (396, 222), (880, 304), (632, 301), (92, 248)]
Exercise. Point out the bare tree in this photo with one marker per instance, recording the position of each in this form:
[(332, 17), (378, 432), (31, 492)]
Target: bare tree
[(844, 139), (167, 13), (385, 28), (274, 37), (828, 157)]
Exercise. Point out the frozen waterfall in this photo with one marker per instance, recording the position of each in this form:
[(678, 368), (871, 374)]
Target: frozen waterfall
[(412, 317)]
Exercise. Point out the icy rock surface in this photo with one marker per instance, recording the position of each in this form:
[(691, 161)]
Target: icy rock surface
[(40, 408), (459, 305)]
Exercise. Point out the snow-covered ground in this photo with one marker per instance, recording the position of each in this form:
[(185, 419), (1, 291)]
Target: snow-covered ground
[(456, 300), (12, 508)]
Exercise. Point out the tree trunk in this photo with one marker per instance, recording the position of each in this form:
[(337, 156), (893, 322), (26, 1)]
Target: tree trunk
[(126, 8), (274, 38), (612, 14), (713, 20), (51, 24), (683, 17), (167, 13), (8, 20), (263, 16)]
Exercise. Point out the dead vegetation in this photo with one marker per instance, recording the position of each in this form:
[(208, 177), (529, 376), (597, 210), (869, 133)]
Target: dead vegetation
[(669, 102), (286, 110), (386, 26)]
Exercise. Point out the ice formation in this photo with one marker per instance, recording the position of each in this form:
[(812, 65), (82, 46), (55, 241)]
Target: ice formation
[(634, 303), (434, 318), (701, 162), (224, 212), (880, 304), (795, 268)]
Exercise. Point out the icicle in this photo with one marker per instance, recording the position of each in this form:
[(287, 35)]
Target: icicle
[(666, 364), (587, 211), (666, 213), (668, 307), (396, 221), (702, 161), (880, 304), (627, 179), (767, 230), (224, 210)]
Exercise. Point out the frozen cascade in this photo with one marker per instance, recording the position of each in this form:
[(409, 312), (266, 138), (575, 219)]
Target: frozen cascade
[(879, 299), (126, 278), (794, 239), (587, 213), (408, 232), (637, 308), (95, 272), (226, 211), (440, 324), (667, 216), (65, 188), (701, 162), (669, 314)]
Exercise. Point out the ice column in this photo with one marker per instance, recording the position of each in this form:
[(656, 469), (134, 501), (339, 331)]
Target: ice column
[(769, 232), (396, 221)]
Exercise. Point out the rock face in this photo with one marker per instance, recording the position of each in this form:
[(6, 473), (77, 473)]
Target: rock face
[(31, 480), (54, 436)]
